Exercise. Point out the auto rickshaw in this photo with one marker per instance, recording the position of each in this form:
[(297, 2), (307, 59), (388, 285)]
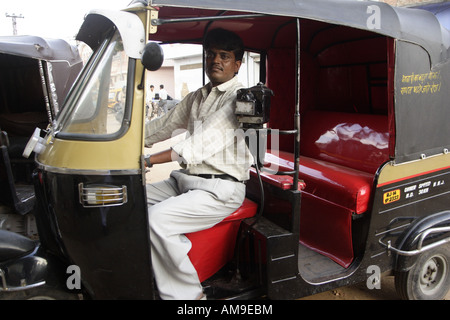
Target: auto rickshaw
[(114, 101), (351, 184), (35, 77)]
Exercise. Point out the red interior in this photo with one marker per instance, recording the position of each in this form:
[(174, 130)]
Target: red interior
[(347, 122), (345, 128), (340, 153)]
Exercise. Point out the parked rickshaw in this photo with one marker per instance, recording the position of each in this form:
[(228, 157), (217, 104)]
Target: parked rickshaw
[(35, 77), (354, 183)]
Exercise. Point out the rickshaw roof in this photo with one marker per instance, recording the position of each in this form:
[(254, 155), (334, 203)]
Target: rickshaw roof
[(441, 10), (408, 24), (39, 48)]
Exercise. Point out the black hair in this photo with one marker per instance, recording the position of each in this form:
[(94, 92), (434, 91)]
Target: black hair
[(224, 40)]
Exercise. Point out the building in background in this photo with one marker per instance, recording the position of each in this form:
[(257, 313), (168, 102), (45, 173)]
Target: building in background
[(182, 70)]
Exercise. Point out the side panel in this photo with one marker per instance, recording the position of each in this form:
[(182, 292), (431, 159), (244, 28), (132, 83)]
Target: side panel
[(405, 194), (109, 244), (421, 99)]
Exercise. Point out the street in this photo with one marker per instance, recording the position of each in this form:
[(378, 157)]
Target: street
[(361, 292)]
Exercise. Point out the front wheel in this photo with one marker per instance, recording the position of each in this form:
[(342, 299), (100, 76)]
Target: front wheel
[(428, 279)]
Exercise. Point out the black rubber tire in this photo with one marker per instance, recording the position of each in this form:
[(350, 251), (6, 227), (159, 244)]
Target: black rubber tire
[(428, 279)]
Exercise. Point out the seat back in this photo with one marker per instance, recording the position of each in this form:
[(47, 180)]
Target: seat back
[(20, 198), (358, 141)]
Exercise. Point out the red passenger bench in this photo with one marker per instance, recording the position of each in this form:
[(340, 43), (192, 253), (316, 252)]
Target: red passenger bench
[(214, 247), (339, 155)]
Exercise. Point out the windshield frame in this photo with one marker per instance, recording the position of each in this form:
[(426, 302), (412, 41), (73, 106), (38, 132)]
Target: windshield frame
[(81, 85)]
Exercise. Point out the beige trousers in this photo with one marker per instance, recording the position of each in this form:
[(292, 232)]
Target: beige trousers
[(184, 204)]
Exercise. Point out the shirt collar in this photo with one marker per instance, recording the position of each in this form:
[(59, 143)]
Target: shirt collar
[(221, 87)]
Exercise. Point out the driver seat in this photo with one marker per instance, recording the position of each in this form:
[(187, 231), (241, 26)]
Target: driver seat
[(214, 247)]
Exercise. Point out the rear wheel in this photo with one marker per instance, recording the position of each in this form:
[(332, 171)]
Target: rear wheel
[(428, 279)]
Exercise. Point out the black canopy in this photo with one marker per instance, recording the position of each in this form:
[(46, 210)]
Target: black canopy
[(412, 25)]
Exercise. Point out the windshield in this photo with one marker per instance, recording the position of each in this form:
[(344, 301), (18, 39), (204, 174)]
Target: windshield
[(95, 110)]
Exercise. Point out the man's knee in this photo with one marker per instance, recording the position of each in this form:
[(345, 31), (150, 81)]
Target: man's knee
[(154, 216), (158, 219)]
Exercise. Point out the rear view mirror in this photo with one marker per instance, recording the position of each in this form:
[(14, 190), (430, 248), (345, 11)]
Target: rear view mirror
[(153, 56)]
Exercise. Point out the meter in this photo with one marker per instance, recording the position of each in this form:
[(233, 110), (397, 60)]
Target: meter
[(253, 106), (252, 112)]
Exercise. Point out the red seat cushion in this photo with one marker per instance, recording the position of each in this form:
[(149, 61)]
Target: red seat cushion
[(214, 247), (345, 186)]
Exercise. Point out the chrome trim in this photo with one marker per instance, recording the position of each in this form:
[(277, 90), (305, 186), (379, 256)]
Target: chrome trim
[(102, 195), (121, 172), (44, 91), (421, 237), (4, 286), (160, 22)]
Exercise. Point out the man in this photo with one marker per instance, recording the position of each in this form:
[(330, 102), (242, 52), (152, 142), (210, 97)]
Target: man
[(150, 101), (162, 92), (163, 98), (215, 162)]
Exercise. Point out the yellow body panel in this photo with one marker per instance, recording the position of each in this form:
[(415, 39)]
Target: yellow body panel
[(123, 153), (392, 173)]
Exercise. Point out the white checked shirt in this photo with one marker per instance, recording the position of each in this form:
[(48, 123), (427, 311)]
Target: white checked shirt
[(211, 146)]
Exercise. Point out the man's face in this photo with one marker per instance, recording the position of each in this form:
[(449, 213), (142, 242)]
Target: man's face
[(221, 65)]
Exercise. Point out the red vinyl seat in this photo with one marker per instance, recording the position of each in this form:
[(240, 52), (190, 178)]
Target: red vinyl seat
[(331, 194), (214, 247), (339, 155)]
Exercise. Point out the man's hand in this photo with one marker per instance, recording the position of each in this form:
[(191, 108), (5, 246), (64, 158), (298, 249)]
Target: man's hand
[(161, 157)]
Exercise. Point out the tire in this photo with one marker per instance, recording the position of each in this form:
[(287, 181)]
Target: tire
[(39, 293), (117, 107), (428, 279)]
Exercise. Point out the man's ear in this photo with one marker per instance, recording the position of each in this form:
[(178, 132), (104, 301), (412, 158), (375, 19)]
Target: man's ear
[(237, 66)]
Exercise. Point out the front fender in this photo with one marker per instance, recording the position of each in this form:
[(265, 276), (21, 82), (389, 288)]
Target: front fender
[(23, 273), (13, 245), (437, 229)]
